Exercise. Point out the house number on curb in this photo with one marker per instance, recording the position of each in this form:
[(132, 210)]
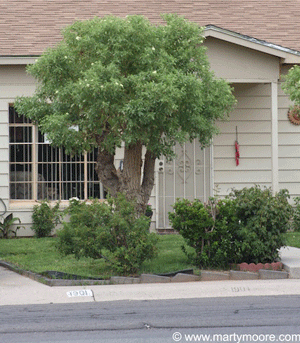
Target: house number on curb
[(240, 289), (81, 293)]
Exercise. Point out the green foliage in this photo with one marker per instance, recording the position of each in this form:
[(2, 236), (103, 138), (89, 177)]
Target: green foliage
[(247, 226), (80, 233), (127, 80), (291, 86), (7, 227), (208, 228), (45, 218), (263, 219), (296, 215), (109, 230)]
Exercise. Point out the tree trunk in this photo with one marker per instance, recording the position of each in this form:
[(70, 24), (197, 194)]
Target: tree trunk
[(148, 178), (106, 169), (132, 171), (129, 180), (107, 172)]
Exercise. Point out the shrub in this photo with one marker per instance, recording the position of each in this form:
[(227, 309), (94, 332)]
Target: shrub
[(296, 215), (45, 218), (263, 220), (207, 228), (109, 230), (247, 226), (7, 228)]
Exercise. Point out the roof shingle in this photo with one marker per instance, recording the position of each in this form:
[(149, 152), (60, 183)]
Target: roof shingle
[(27, 27)]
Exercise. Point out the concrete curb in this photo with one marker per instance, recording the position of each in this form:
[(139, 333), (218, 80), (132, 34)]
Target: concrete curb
[(180, 276)]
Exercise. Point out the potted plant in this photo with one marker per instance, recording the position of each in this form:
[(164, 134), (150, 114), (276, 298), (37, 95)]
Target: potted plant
[(149, 211)]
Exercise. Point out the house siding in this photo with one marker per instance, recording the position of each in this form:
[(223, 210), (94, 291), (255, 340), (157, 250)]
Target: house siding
[(14, 81), (252, 118), (233, 62)]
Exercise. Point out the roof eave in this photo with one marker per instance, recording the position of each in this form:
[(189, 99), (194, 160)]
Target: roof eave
[(17, 60)]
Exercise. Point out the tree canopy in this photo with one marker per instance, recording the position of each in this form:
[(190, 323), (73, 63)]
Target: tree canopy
[(291, 86), (127, 81)]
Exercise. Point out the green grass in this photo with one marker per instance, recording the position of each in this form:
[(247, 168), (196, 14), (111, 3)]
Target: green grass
[(293, 239), (39, 255), (170, 256)]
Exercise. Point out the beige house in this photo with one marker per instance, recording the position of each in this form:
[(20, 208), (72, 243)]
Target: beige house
[(245, 45)]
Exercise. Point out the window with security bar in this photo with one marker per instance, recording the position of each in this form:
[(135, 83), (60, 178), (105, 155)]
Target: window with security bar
[(39, 171)]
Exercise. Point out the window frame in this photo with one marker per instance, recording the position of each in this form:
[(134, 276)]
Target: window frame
[(83, 163)]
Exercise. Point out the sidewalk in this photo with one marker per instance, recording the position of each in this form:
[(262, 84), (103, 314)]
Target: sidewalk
[(19, 290)]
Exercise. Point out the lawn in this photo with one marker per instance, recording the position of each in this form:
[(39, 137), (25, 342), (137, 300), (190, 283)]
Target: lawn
[(39, 255), (293, 239)]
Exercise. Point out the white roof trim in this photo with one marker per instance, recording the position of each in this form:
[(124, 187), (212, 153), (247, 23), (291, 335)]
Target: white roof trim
[(17, 60), (288, 56)]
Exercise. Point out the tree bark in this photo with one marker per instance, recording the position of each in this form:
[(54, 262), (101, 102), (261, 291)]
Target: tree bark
[(129, 180), (106, 169), (132, 171), (148, 178), (107, 172)]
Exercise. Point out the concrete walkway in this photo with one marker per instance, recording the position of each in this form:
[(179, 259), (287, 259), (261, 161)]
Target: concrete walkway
[(19, 290), (290, 257)]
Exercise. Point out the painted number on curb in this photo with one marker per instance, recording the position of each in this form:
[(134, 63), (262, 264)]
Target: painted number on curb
[(240, 289), (81, 293)]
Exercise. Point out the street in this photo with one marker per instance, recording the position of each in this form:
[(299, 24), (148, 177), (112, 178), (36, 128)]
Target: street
[(264, 318)]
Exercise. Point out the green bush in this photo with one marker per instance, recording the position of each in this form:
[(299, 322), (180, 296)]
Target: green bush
[(296, 215), (109, 230), (247, 226), (208, 228), (45, 218), (264, 219)]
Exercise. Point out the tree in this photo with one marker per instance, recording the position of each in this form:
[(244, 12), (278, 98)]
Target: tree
[(291, 86), (127, 81)]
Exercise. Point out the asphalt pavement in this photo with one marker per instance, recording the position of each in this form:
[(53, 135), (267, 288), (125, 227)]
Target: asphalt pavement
[(16, 289)]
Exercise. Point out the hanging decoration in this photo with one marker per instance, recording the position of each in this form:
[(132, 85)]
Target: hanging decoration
[(237, 148), (294, 115)]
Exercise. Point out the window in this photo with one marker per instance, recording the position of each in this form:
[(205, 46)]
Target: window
[(39, 171)]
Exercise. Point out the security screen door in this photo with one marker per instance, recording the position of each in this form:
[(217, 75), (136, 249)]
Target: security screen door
[(188, 176)]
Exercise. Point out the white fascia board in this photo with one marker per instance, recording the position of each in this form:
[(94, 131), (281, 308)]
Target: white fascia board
[(291, 59), (17, 60), (250, 80)]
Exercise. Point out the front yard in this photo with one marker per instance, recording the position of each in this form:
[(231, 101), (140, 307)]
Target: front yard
[(39, 255)]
